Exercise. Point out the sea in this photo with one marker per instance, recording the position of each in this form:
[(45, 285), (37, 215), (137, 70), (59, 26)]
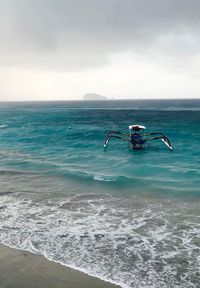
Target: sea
[(130, 217)]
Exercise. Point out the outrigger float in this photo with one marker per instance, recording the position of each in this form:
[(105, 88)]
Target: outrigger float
[(137, 138)]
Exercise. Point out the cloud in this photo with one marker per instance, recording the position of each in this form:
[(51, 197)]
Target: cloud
[(76, 34)]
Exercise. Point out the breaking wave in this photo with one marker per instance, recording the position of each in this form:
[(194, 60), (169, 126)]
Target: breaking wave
[(102, 236)]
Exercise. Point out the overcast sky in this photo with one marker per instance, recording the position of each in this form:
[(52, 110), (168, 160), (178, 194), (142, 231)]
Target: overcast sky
[(62, 49)]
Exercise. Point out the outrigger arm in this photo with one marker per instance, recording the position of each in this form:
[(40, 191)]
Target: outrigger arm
[(160, 136), (110, 135)]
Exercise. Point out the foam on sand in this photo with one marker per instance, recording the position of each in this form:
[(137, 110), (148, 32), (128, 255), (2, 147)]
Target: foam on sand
[(23, 269)]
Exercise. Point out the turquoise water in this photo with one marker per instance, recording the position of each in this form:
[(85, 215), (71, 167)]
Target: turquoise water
[(130, 217)]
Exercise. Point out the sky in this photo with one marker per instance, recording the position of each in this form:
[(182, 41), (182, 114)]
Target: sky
[(122, 49)]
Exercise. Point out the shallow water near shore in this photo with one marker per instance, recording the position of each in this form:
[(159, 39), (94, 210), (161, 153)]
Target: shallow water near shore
[(130, 217)]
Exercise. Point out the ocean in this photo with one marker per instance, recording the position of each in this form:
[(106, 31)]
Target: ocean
[(127, 216)]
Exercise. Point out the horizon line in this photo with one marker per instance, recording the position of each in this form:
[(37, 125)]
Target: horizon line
[(103, 100)]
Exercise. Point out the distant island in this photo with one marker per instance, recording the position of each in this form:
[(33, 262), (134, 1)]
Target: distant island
[(93, 97)]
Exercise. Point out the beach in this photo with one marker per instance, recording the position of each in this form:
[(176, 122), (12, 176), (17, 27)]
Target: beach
[(23, 269)]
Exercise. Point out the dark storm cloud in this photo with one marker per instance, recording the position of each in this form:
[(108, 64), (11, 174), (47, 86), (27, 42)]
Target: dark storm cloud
[(67, 33)]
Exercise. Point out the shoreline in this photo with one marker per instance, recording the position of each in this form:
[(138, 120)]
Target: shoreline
[(19, 268)]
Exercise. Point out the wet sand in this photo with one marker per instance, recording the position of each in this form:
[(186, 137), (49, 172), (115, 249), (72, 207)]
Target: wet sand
[(20, 269)]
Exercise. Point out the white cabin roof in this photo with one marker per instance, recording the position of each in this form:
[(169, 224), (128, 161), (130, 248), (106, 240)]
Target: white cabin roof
[(136, 127)]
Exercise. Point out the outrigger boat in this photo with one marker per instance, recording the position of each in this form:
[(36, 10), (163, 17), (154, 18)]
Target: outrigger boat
[(137, 138)]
